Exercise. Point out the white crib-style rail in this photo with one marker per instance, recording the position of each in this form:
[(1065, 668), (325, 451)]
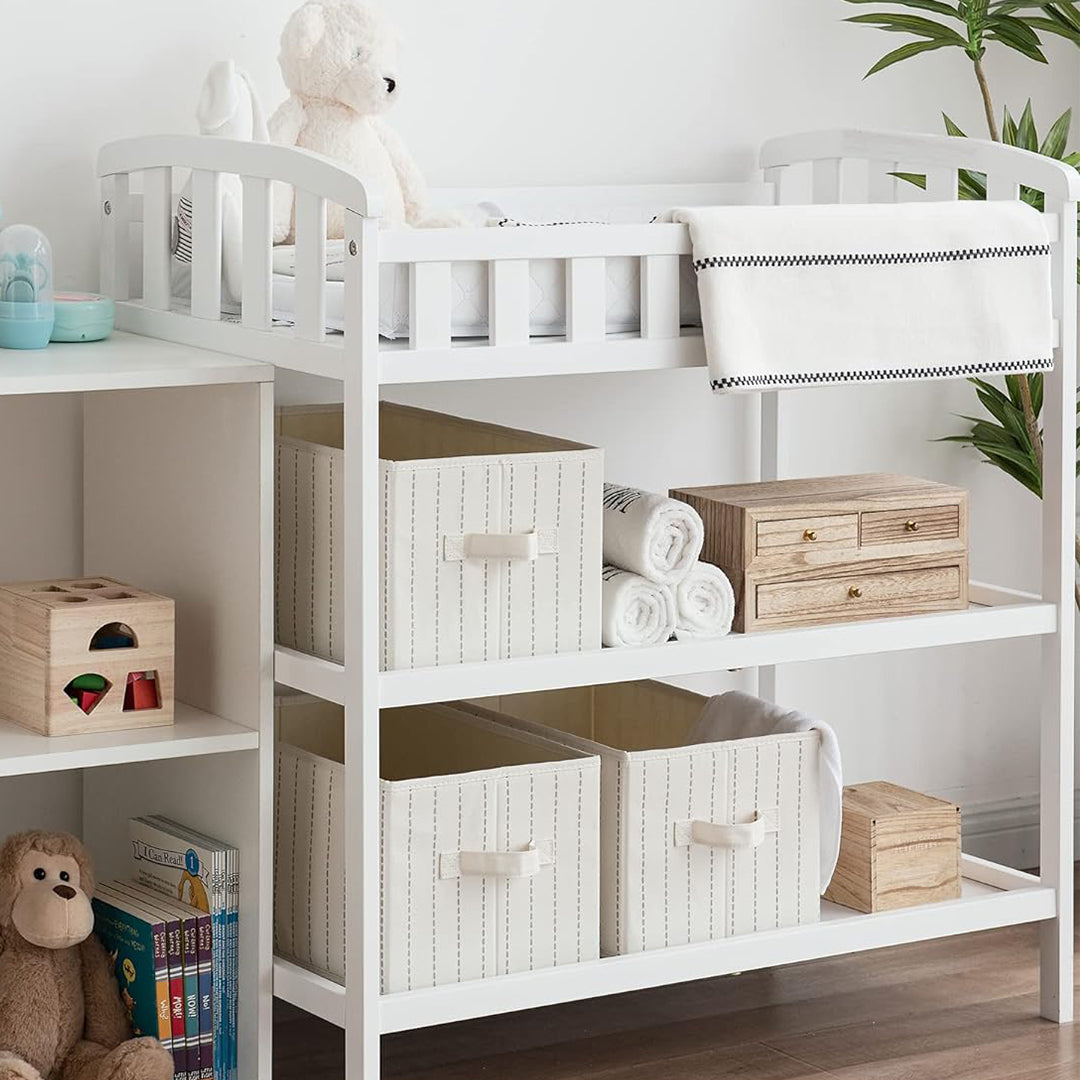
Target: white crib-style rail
[(315, 180)]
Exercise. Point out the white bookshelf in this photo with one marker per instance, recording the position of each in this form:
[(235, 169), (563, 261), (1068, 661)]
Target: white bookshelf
[(134, 457)]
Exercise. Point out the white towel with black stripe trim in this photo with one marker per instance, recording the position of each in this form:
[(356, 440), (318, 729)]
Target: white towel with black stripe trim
[(796, 296)]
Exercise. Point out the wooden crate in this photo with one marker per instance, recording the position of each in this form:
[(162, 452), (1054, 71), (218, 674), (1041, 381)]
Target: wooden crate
[(53, 632), (898, 848), (837, 548)]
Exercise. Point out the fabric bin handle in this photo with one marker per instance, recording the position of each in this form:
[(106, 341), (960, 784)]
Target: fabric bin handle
[(750, 834), (525, 546), (508, 864)]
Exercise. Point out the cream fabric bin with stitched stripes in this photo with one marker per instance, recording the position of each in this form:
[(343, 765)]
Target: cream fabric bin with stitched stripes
[(491, 538), (490, 844), (673, 871)]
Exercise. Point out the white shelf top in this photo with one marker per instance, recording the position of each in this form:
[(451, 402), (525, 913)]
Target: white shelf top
[(998, 614), (1020, 899), (122, 362), (24, 752)]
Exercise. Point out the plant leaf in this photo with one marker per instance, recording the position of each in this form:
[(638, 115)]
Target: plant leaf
[(905, 52), (1053, 145), (911, 24), (948, 10), (952, 128), (1026, 136), (1017, 35), (917, 179)]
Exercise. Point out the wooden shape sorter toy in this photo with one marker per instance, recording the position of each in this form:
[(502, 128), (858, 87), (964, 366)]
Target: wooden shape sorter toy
[(85, 655)]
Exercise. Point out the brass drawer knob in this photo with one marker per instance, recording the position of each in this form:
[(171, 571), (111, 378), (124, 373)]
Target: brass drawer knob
[(809, 535), (911, 526), (854, 592)]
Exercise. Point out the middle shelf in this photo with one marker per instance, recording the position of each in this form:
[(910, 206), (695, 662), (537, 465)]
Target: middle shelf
[(994, 614)]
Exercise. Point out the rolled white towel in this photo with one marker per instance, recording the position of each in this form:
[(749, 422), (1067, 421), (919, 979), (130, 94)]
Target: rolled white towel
[(635, 611), (704, 603), (651, 535)]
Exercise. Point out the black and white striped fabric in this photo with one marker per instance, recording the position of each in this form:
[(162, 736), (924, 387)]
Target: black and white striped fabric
[(797, 296)]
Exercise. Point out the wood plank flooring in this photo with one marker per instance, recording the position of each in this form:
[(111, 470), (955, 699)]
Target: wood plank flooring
[(960, 1009)]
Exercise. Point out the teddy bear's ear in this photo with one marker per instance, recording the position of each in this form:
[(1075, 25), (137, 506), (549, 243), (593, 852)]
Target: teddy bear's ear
[(304, 30)]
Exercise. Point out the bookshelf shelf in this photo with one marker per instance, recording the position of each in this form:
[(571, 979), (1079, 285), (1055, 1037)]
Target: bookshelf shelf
[(23, 752)]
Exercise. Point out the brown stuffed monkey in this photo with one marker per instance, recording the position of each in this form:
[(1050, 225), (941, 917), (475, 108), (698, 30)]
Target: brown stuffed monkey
[(61, 1015)]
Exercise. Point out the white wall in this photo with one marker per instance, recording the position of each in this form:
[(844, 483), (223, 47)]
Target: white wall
[(567, 91)]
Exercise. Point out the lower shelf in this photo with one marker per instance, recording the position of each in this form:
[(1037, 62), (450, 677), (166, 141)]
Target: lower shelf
[(194, 732), (993, 896)]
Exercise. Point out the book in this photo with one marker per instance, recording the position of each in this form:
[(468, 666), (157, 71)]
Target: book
[(197, 1004), (182, 864), (136, 941)]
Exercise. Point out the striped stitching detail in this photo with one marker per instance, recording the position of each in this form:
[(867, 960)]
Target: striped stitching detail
[(941, 371), (871, 258)]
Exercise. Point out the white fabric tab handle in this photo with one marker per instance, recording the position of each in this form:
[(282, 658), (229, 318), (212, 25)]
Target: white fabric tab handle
[(509, 864), (750, 834), (524, 546)]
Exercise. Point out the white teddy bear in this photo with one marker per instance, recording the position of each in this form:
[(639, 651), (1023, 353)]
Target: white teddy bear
[(339, 59)]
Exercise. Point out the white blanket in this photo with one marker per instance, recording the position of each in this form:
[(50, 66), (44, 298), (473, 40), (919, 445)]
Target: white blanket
[(651, 535), (736, 715), (704, 603), (635, 611), (814, 295)]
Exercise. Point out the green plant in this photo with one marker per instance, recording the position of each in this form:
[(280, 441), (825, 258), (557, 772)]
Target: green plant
[(1012, 439), (1007, 22)]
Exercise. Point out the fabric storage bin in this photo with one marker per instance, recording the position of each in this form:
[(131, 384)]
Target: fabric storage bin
[(489, 840), (491, 538), (672, 871)]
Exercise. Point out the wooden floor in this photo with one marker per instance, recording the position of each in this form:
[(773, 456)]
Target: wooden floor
[(960, 1009)]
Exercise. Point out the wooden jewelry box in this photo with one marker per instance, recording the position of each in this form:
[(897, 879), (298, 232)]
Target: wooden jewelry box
[(833, 549)]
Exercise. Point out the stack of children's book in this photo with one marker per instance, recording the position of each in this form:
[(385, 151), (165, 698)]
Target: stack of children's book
[(172, 930)]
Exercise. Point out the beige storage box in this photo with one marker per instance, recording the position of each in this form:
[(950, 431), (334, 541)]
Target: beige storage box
[(490, 846), (491, 538), (58, 637), (672, 870)]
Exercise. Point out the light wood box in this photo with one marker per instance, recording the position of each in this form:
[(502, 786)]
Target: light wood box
[(898, 848), (835, 549), (46, 632)]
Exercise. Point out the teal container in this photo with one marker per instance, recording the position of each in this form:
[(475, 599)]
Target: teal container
[(82, 317), (26, 298)]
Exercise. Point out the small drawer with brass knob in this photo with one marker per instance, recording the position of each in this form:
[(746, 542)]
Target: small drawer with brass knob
[(910, 525), (831, 532)]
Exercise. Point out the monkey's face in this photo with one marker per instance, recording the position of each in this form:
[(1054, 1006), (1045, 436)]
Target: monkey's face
[(51, 909)]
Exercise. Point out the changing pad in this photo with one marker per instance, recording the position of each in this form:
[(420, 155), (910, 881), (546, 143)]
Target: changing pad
[(469, 294)]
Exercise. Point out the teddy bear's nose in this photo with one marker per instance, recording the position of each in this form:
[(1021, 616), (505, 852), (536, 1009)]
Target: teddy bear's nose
[(391, 84), (65, 892)]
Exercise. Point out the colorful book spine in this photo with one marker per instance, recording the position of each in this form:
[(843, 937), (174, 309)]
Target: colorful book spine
[(205, 939), (181, 1053), (233, 879), (189, 932)]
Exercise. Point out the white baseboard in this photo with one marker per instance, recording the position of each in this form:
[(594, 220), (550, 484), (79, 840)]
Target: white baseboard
[(1007, 831)]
